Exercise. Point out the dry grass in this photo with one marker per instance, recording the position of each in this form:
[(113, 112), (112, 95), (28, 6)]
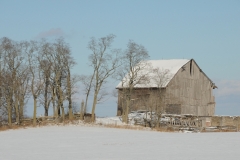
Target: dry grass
[(7, 127), (77, 122), (164, 129), (68, 122), (219, 130), (125, 127), (167, 129)]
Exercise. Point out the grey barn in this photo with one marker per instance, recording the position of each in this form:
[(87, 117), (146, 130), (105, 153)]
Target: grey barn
[(188, 90)]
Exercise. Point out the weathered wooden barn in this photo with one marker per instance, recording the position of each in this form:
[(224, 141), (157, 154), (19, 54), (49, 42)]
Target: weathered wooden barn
[(187, 90)]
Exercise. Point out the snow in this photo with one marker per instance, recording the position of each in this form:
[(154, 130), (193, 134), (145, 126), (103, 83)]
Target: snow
[(172, 66), (99, 143), (109, 120), (114, 121)]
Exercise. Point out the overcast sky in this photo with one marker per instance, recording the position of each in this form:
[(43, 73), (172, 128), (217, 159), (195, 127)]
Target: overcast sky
[(207, 31)]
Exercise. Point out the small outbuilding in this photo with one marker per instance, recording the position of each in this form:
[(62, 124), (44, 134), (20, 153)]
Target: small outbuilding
[(185, 89)]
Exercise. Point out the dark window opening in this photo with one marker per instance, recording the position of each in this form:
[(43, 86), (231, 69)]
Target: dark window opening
[(173, 109), (191, 67)]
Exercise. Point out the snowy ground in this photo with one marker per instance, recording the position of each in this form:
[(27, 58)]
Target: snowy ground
[(99, 143)]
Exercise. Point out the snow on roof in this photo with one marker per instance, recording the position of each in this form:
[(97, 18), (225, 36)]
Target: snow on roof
[(171, 66)]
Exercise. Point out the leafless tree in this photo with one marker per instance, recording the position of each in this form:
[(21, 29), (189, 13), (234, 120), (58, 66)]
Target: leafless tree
[(104, 62), (37, 81), (46, 63), (63, 83), (87, 82), (59, 76), (36, 68), (71, 83), (160, 78), (13, 77), (133, 74)]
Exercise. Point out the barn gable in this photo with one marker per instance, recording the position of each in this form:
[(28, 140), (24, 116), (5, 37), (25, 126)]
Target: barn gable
[(187, 91), (191, 89)]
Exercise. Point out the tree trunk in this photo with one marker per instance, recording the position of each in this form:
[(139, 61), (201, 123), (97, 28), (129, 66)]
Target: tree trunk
[(88, 91), (54, 106), (63, 113), (69, 94), (127, 111), (123, 116), (85, 106), (70, 114), (58, 111), (128, 101), (35, 112), (82, 110), (45, 96), (9, 113), (17, 110), (94, 107), (21, 108), (45, 111)]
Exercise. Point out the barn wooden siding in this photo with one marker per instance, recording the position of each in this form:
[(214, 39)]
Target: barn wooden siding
[(189, 92), (141, 99)]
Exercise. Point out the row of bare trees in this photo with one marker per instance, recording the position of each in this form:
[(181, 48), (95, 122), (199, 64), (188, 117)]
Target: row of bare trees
[(41, 70)]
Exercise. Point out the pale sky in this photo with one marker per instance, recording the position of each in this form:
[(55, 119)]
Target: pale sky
[(207, 31)]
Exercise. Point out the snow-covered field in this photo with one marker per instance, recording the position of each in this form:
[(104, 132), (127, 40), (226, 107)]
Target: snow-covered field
[(86, 142)]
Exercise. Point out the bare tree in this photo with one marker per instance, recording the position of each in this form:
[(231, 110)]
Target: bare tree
[(59, 76), (133, 74), (13, 70), (40, 68), (24, 90), (160, 78), (104, 62), (37, 81), (87, 83), (71, 83), (63, 83), (46, 63)]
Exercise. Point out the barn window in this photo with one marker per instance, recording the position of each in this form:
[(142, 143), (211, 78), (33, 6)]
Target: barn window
[(173, 109), (191, 67)]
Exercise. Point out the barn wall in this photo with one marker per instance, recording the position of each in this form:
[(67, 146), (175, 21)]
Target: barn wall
[(193, 90), (189, 92), (141, 99)]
